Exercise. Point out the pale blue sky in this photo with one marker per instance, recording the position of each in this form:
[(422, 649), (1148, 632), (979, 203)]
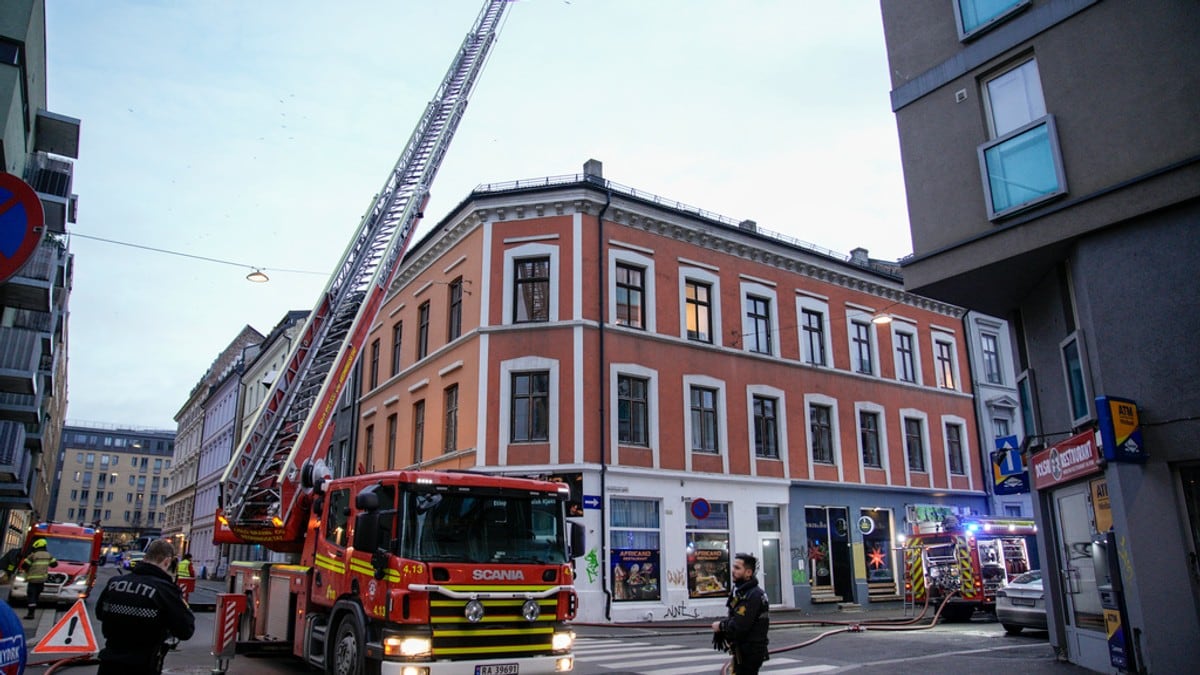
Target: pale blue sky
[(259, 131)]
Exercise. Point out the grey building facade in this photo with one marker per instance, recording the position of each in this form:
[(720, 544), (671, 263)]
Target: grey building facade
[(1051, 157), (36, 146)]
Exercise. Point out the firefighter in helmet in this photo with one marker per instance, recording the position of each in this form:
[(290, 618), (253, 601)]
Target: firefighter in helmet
[(37, 568)]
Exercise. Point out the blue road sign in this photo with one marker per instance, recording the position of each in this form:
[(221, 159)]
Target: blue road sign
[(591, 501)]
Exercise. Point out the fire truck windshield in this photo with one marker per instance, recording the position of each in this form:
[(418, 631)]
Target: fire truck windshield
[(71, 550), (483, 529)]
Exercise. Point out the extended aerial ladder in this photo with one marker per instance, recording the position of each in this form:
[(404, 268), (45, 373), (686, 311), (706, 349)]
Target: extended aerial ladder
[(262, 500)]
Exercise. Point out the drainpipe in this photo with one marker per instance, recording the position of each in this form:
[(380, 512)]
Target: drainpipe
[(603, 379)]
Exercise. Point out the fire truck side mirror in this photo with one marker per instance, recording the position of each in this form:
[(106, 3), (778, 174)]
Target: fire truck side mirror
[(577, 541), (367, 500), (366, 530)]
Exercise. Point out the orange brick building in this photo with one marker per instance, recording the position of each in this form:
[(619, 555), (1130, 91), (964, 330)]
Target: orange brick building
[(706, 387)]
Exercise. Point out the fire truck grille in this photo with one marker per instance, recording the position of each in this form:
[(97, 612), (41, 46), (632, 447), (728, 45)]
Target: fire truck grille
[(56, 579), (502, 630)]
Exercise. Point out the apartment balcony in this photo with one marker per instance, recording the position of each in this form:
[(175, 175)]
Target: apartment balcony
[(35, 285), (22, 408), (15, 464), (20, 360), (51, 178)]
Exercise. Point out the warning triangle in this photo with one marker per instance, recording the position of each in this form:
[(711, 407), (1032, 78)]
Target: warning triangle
[(71, 635)]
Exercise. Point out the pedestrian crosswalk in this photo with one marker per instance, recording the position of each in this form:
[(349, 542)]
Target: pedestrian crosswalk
[(648, 658)]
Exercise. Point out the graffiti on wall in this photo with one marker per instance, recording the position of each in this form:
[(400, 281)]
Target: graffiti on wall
[(593, 565)]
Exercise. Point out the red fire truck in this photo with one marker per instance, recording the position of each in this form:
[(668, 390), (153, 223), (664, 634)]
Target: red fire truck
[(967, 560), (409, 573), (77, 549)]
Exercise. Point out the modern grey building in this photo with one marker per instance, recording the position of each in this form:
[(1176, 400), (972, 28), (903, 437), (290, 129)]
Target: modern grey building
[(36, 146), (1051, 154)]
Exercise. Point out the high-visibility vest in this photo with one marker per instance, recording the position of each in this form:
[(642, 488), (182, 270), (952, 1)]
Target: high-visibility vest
[(184, 569), (37, 566)]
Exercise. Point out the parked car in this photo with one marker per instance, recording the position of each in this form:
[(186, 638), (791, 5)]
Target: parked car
[(131, 558), (1021, 603)]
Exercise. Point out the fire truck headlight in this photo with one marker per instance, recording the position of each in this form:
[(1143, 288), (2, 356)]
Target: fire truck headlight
[(531, 610), (564, 664), (562, 641), (474, 611), (395, 645)]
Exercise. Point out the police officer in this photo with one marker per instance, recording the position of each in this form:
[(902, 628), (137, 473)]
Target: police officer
[(745, 629), (139, 611), (37, 568)]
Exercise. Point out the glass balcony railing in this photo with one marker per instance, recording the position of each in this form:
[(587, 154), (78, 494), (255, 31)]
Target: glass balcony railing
[(1022, 168)]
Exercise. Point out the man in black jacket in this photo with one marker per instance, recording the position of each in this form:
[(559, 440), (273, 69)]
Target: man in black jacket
[(745, 629), (139, 611)]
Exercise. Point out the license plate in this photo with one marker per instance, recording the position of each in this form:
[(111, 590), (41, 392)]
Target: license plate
[(1025, 602), (498, 669)]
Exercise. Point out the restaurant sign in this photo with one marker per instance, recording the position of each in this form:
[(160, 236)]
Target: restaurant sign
[(1073, 458)]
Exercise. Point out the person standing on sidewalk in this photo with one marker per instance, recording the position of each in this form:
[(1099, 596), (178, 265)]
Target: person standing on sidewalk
[(745, 629), (184, 569), (139, 612), (37, 568)]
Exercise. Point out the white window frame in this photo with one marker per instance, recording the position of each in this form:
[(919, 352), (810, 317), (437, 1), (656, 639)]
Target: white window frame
[(748, 289), (781, 418), (714, 302), (522, 252), (884, 459), (834, 430), (940, 336), (804, 302), (964, 438), (964, 34), (518, 365), (1077, 337), (615, 371), (858, 316), (899, 328), (923, 418), (629, 258), (706, 382)]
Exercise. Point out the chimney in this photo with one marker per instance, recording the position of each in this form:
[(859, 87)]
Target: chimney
[(859, 256), (748, 225), (593, 171)]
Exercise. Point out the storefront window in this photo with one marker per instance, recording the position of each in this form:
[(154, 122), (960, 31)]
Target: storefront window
[(634, 549), (708, 551), (875, 526)]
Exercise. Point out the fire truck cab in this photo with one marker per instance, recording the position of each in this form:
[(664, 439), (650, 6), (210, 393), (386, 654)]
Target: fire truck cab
[(77, 549), (419, 572), (966, 560)]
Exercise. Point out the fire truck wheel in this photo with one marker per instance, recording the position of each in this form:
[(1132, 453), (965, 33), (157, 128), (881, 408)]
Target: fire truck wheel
[(1012, 630), (349, 650)]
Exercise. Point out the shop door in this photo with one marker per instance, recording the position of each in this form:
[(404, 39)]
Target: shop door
[(830, 564), (1080, 553), (770, 570)]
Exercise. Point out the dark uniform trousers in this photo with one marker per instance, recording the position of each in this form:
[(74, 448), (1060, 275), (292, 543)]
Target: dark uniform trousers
[(138, 612)]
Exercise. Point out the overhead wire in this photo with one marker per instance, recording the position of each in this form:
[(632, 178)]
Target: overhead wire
[(192, 255)]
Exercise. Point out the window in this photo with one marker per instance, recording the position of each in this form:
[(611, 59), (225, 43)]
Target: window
[(634, 545), (944, 356), (766, 427), (338, 519), (530, 407), (1025, 391), (708, 551), (954, 449), (1000, 428), (1022, 164), (698, 310), (450, 438), (531, 290), (454, 328), (1073, 371), (813, 326), (370, 446), (91, 460), (419, 431), (821, 427), (391, 441), (914, 442), (758, 324), (704, 419), (991, 358), (630, 295), (861, 348), (397, 334), (633, 414), (975, 16), (423, 330), (374, 371), (905, 357), (868, 430)]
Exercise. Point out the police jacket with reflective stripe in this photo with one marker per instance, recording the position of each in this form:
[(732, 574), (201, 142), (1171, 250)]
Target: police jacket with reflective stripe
[(138, 612)]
